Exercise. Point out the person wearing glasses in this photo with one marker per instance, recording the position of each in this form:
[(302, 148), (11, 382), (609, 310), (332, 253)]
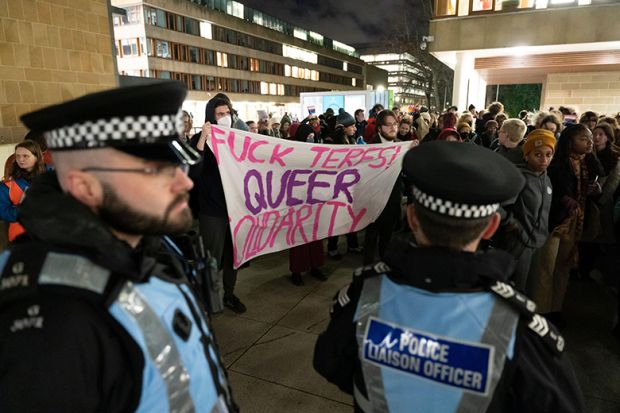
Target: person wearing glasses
[(95, 313), (379, 233)]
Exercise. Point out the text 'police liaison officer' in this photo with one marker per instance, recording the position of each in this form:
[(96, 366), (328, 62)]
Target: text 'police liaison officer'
[(436, 327)]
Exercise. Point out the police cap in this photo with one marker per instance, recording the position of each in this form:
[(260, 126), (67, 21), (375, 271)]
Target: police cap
[(460, 180), (145, 121)]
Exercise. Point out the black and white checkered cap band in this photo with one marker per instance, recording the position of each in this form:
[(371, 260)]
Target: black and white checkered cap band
[(453, 209), (99, 133)]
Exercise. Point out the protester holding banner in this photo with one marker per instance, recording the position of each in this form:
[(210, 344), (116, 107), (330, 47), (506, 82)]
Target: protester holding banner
[(379, 233), (307, 257), (209, 202), (283, 194), (436, 328), (344, 134)]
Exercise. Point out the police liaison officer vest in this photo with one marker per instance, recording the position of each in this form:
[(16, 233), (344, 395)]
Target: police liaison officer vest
[(430, 352), (182, 371)]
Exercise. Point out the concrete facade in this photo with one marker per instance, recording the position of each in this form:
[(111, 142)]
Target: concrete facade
[(599, 92), (537, 45), (345, 71), (51, 51)]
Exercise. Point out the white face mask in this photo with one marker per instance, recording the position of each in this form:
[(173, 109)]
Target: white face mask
[(225, 121)]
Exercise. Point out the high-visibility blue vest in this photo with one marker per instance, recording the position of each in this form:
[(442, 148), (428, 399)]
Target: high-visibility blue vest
[(430, 352), (182, 373)]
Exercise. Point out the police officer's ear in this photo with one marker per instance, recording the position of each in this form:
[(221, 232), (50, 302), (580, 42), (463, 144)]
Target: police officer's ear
[(492, 226), (412, 218), (84, 187)]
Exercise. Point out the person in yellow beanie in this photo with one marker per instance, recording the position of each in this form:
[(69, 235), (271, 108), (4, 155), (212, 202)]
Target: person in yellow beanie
[(525, 222)]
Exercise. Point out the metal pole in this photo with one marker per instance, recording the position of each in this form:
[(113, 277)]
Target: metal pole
[(497, 93)]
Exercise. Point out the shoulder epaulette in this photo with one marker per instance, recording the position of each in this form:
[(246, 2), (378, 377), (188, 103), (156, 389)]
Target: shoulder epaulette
[(527, 308), (372, 270), (31, 267)]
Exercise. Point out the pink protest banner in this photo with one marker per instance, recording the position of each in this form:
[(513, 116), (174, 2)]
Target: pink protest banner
[(282, 193)]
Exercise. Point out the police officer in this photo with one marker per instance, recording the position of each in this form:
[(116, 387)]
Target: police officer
[(436, 327), (94, 316)]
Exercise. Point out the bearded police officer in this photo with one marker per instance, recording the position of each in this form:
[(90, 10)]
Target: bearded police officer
[(93, 315), (437, 328)]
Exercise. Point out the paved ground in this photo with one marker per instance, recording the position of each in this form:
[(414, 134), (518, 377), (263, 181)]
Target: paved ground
[(268, 350)]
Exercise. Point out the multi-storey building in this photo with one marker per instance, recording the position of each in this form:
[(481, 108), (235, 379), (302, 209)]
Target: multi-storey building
[(403, 76), (260, 62), (571, 47)]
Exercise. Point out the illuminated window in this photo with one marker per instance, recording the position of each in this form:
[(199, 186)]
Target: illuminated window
[(482, 5), (235, 9), (300, 33), (273, 89), (299, 54), (205, 30), (342, 48), (316, 38), (446, 7), (222, 59), (254, 65), (345, 66), (287, 70), (264, 88), (280, 90), (295, 71), (353, 81)]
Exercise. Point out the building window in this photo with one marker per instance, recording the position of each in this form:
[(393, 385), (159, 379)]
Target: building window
[(155, 17), (162, 74), (315, 38), (205, 30), (299, 54), (254, 65), (192, 26), (210, 57), (342, 48), (196, 82), (235, 9), (446, 7), (194, 54), (300, 34), (327, 61), (162, 49), (481, 5), (353, 82), (222, 59), (129, 47)]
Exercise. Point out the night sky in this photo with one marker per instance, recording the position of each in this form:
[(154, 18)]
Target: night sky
[(352, 22)]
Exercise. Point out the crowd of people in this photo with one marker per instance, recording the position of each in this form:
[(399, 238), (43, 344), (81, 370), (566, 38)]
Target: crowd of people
[(540, 187), (563, 223)]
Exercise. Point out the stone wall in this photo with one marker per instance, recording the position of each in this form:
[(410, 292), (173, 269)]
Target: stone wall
[(597, 91), (51, 51)]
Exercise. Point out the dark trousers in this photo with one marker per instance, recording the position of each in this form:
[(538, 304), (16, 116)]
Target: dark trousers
[(217, 239), (332, 242), (307, 256), (379, 234)]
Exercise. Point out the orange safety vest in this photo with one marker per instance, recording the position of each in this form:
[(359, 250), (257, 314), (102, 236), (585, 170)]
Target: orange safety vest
[(15, 195)]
